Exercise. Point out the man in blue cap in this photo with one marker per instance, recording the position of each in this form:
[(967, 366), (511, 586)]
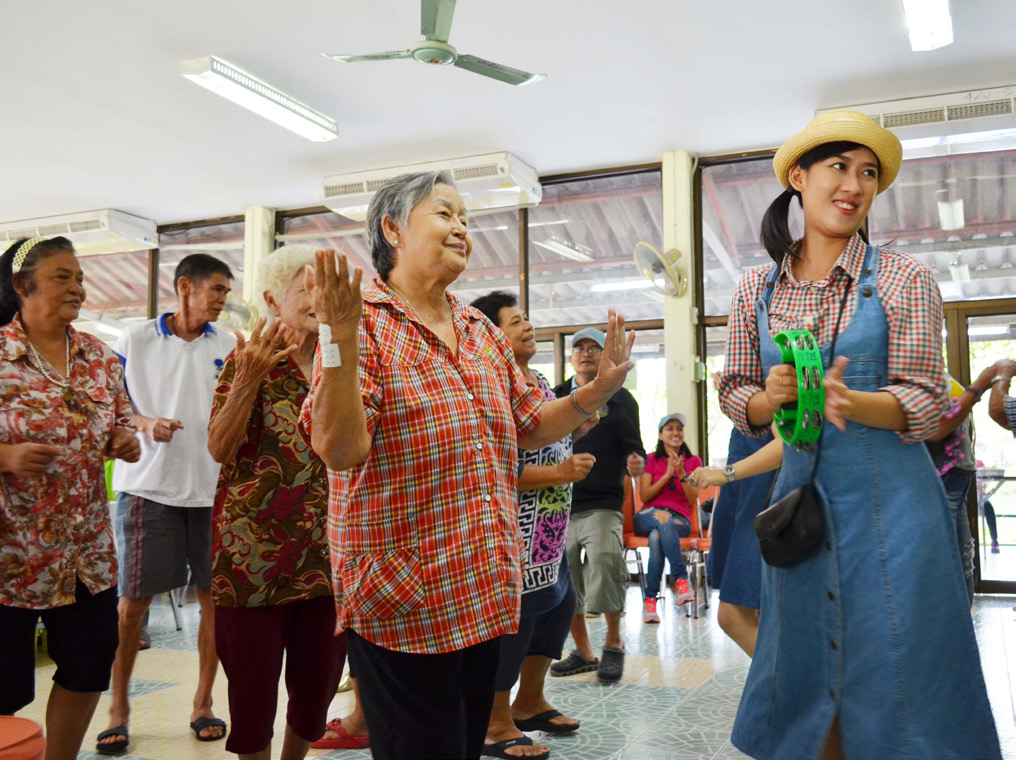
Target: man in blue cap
[(597, 522)]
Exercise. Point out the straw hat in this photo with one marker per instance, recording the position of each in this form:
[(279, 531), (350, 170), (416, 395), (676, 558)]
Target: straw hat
[(834, 126)]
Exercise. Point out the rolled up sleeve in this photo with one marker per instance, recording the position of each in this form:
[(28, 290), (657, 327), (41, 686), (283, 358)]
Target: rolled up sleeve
[(916, 368), (742, 375)]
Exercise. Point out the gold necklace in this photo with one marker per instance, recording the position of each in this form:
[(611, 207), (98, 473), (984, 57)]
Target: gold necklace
[(410, 303)]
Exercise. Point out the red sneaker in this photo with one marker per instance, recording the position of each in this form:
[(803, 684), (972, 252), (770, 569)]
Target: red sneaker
[(649, 611), (683, 592)]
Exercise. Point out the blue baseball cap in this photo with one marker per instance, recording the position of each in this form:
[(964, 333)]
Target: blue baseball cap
[(590, 333), (675, 416)]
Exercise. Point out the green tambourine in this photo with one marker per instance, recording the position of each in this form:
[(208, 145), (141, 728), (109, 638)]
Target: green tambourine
[(800, 424)]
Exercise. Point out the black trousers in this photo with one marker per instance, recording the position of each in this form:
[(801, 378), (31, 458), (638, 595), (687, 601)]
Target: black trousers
[(425, 706)]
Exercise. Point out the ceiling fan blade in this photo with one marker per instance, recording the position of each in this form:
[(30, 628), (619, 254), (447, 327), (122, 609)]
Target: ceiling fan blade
[(496, 70), (436, 19), (391, 55)]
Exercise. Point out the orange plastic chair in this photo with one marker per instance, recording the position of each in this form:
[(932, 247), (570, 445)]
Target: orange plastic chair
[(21, 739), (695, 548)]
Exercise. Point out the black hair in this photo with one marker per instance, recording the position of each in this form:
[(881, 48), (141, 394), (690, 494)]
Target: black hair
[(10, 301), (492, 303), (199, 267), (661, 450), (776, 237)]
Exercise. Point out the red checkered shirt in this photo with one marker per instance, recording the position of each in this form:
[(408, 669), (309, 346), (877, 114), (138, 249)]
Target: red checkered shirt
[(913, 307), (425, 543)]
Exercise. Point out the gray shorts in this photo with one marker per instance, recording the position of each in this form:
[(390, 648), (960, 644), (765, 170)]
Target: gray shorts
[(156, 542), (601, 582)]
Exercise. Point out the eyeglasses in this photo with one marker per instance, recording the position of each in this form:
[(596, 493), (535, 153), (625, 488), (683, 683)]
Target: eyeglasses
[(591, 350)]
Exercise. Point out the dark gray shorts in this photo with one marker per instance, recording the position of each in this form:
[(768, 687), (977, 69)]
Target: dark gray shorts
[(156, 542)]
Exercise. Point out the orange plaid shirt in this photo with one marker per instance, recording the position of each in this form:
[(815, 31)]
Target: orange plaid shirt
[(425, 543)]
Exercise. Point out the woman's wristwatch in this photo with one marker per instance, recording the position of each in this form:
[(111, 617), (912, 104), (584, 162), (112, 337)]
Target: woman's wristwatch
[(728, 470)]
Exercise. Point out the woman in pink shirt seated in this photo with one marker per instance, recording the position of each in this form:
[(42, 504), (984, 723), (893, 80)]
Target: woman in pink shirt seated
[(667, 498)]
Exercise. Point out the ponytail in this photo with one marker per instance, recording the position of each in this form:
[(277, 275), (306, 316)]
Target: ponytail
[(776, 237), (9, 305)]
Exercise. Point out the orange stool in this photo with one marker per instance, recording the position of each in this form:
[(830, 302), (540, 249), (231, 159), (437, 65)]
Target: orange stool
[(21, 739)]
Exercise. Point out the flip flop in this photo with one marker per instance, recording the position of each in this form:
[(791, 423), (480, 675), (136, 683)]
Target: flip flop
[(117, 747), (344, 740), (199, 725), (144, 641), (542, 722), (500, 749)]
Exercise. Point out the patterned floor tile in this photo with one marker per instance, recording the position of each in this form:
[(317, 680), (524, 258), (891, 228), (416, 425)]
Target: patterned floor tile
[(677, 699)]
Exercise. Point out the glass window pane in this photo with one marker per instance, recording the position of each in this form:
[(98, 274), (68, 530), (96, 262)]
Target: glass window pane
[(116, 285), (990, 339), (543, 361), (718, 426), (330, 230), (582, 234), (224, 241), (647, 381), (494, 263)]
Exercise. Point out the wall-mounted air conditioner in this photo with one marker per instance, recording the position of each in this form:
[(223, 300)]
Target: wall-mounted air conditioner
[(488, 182), (954, 113), (92, 232)]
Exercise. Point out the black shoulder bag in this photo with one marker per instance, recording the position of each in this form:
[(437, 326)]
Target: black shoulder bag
[(790, 530)]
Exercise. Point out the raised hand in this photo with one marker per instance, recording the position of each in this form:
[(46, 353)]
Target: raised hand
[(28, 460), (837, 401), (256, 357), (615, 362), (781, 385), (123, 444), (335, 294)]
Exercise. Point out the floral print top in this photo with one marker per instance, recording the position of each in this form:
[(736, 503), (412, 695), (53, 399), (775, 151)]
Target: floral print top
[(543, 512), (269, 540), (55, 528)]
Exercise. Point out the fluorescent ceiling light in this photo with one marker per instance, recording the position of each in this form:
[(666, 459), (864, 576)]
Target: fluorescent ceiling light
[(928, 24), (950, 214), (988, 330), (603, 287), (566, 248), (254, 95)]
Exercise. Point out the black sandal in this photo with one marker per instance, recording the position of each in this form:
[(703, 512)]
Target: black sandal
[(573, 664), (113, 748), (501, 749)]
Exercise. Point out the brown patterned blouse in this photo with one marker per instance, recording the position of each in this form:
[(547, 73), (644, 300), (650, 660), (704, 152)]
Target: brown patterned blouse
[(269, 544)]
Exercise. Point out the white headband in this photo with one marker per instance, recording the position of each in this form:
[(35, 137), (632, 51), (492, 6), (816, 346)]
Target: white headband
[(22, 253)]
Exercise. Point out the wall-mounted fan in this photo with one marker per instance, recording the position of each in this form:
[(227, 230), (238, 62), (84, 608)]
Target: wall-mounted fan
[(238, 314), (662, 269), (435, 25)]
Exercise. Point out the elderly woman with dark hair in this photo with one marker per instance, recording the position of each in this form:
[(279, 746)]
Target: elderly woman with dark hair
[(548, 594), (417, 408), (64, 410)]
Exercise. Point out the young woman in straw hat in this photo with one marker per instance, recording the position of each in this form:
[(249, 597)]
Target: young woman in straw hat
[(866, 648)]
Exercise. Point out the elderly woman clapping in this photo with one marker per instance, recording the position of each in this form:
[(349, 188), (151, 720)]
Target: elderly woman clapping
[(64, 409), (417, 408), (270, 574)]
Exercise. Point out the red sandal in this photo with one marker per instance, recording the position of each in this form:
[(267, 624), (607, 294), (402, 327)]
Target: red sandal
[(344, 740)]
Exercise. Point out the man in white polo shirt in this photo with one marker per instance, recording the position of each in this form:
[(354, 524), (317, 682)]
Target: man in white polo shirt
[(164, 501)]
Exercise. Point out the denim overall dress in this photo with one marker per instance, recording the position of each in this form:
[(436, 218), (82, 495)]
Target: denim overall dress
[(874, 628)]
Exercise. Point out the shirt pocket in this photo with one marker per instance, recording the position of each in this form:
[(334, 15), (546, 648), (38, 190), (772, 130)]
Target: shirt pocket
[(383, 585)]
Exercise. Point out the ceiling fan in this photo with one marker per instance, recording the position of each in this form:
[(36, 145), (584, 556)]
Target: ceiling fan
[(435, 26)]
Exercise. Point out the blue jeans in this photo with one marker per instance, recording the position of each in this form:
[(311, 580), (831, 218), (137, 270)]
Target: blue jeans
[(956, 483), (664, 543)]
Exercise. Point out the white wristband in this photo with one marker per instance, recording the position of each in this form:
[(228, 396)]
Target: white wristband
[(330, 356)]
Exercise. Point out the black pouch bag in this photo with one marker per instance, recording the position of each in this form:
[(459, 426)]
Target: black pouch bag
[(790, 530)]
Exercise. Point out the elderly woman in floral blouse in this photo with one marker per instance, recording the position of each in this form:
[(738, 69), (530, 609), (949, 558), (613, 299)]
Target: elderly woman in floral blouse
[(270, 570), (63, 409)]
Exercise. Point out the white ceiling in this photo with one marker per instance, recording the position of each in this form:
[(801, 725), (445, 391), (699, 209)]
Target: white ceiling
[(97, 115)]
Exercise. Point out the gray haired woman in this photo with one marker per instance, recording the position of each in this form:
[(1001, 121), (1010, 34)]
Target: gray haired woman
[(417, 408)]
